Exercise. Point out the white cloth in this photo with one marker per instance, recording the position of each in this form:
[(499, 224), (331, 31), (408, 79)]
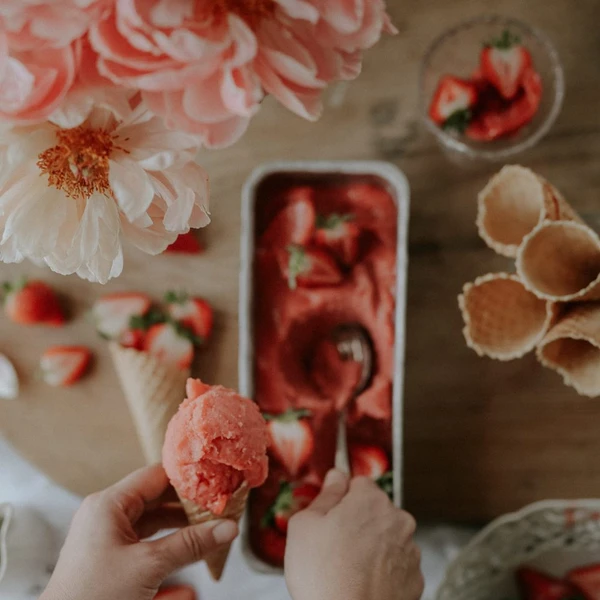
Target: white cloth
[(22, 484)]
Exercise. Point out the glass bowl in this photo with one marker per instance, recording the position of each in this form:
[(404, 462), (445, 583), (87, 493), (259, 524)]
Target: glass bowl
[(456, 52)]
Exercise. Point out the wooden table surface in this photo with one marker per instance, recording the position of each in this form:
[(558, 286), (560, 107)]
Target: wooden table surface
[(482, 437)]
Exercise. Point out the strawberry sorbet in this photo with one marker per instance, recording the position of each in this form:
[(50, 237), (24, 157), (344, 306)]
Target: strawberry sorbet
[(215, 442)]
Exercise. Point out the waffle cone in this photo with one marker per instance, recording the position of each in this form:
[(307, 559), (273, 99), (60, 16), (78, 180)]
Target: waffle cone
[(513, 203), (234, 510), (153, 390), (572, 348), (560, 261), (503, 320)]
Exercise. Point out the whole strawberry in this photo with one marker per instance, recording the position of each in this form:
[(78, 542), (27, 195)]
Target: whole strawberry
[(32, 303)]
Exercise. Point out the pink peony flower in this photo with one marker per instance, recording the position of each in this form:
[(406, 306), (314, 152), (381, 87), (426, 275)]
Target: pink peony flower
[(33, 83), (71, 197), (204, 65), (35, 24)]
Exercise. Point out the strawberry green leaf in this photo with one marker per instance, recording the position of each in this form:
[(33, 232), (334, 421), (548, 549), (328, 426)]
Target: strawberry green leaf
[(507, 40), (153, 317), (283, 503), (297, 264), (172, 297), (458, 120), (187, 333), (333, 221), (289, 416), (386, 483)]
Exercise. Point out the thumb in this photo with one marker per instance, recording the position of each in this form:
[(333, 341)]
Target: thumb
[(193, 543), (335, 487)]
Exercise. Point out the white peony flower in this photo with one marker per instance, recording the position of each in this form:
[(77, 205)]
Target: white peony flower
[(69, 197)]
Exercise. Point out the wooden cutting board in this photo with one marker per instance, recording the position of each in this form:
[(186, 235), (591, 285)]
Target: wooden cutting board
[(482, 437)]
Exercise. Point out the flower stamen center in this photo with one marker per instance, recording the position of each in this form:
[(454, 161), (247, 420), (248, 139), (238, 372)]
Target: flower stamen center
[(79, 163)]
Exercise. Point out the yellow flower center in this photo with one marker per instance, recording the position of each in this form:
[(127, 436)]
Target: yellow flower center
[(252, 11), (78, 164)]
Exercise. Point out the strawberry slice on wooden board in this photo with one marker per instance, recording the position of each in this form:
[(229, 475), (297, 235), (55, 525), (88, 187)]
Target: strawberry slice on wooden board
[(169, 345), (186, 243), (113, 314), (176, 592), (293, 224), (32, 303), (308, 267), (503, 63), (587, 581), (494, 122), (196, 314), (368, 461), (291, 499), (340, 234), (452, 103), (64, 365), (292, 439), (535, 585)]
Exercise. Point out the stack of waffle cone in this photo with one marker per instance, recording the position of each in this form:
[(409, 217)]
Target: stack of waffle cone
[(503, 320), (153, 390), (553, 302), (513, 203), (233, 511)]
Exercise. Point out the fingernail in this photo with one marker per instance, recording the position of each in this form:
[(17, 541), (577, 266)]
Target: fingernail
[(225, 532), (335, 477)]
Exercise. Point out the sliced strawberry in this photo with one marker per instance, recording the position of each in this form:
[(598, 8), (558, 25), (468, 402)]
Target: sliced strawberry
[(535, 585), (186, 243), (194, 313), (292, 439), (272, 546), (176, 592), (308, 267), (452, 103), (32, 303), (493, 123), (503, 63), (113, 313), (340, 235), (64, 365), (169, 345), (133, 338), (291, 499), (368, 461), (587, 581), (294, 224)]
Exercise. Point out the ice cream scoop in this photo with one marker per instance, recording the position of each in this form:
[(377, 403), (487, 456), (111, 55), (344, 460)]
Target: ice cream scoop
[(353, 344)]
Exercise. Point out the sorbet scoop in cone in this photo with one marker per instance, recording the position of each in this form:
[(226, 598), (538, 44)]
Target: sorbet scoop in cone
[(153, 390), (513, 203), (215, 450), (572, 347), (502, 319)]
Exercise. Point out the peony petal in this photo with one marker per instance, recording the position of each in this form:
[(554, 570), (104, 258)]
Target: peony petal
[(131, 186)]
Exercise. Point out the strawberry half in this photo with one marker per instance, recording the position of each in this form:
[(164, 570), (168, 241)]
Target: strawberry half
[(452, 103), (186, 243), (535, 585), (340, 235), (587, 581), (176, 592), (32, 303), (309, 267), (194, 313), (503, 63), (368, 461), (291, 499), (272, 546), (295, 223), (292, 439), (495, 121), (113, 314), (64, 365), (169, 345)]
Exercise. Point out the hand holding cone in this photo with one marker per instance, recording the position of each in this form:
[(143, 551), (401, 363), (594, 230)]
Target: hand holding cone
[(558, 263)]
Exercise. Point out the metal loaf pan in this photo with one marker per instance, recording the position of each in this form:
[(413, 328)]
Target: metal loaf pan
[(315, 171)]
